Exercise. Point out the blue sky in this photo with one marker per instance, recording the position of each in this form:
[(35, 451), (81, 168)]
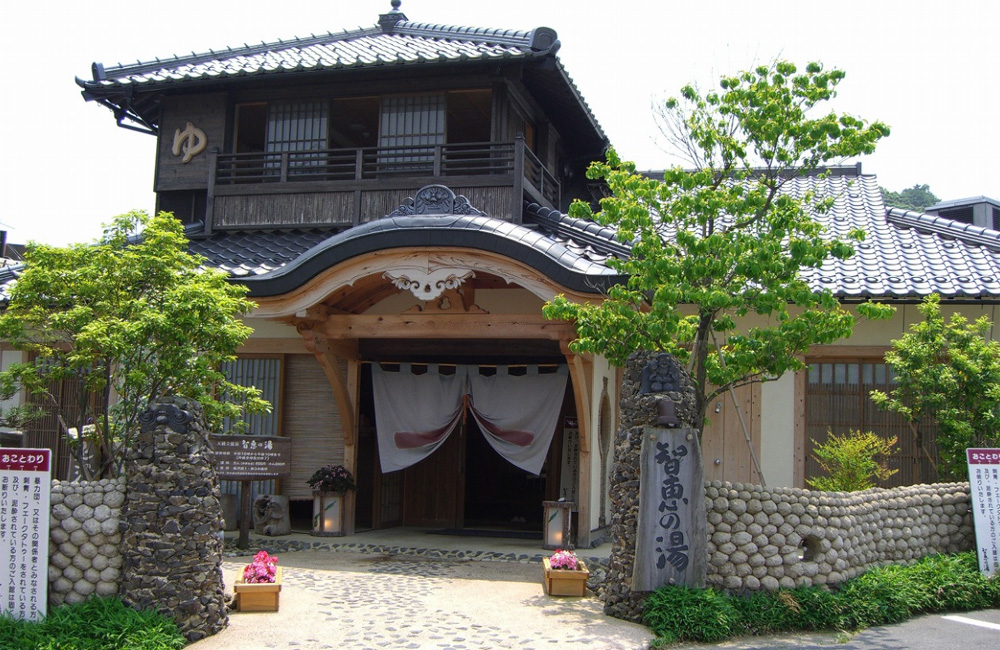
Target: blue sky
[(927, 69)]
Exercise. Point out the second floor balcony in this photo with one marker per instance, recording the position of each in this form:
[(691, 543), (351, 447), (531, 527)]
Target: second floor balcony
[(352, 186)]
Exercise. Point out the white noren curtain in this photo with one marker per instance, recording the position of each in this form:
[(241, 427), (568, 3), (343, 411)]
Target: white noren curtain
[(415, 414)]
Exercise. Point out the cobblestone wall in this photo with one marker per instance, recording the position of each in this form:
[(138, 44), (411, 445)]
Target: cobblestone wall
[(765, 538), (171, 547), (84, 535)]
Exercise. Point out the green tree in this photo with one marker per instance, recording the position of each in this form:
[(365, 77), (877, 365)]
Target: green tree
[(852, 461), (723, 241), (914, 198), (947, 372), (130, 318)]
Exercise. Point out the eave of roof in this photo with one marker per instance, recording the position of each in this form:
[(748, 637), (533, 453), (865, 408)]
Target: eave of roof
[(535, 249)]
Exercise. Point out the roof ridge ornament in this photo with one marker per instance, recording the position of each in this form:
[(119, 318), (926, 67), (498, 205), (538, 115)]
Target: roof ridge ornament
[(435, 200), (388, 21)]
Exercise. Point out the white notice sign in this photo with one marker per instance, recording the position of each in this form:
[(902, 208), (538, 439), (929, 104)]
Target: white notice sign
[(25, 488), (984, 485)]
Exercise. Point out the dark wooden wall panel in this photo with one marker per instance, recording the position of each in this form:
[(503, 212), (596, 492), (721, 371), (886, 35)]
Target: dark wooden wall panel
[(206, 112), (315, 208), (375, 205), (284, 209), (838, 400), (494, 201)]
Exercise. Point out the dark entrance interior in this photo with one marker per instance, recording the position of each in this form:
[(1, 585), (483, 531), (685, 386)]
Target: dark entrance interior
[(497, 493), (464, 484)]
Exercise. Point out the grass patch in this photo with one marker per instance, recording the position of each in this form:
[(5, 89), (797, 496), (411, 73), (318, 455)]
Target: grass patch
[(96, 624), (881, 596)]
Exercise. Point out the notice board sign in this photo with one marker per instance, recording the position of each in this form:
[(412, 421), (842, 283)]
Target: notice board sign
[(569, 476), (984, 487), (671, 540), (25, 492), (252, 458)]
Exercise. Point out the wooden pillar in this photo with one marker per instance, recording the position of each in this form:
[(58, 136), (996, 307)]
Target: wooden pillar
[(799, 470), (581, 372), (345, 392)]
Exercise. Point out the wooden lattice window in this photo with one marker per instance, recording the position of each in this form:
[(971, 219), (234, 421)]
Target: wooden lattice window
[(410, 128), (837, 400)]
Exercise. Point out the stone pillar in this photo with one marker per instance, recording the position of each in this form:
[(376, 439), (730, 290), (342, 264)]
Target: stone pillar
[(171, 545), (649, 378)]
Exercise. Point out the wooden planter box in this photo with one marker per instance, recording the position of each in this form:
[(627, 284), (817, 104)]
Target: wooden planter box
[(560, 582), (259, 596)]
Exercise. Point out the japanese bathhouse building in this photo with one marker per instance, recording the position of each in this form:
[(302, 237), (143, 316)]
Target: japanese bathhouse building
[(394, 198)]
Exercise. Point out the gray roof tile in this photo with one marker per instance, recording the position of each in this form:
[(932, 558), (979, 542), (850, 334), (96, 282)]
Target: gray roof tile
[(411, 43)]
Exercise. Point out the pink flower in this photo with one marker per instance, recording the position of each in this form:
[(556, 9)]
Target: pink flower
[(565, 560), (263, 569)]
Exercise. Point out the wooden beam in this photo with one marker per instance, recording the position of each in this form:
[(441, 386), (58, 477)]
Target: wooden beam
[(581, 371), (344, 276), (847, 352), (329, 358), (799, 456), (351, 442), (315, 340), (445, 326)]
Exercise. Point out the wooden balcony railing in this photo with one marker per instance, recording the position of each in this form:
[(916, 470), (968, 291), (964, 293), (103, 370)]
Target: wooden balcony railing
[(365, 166)]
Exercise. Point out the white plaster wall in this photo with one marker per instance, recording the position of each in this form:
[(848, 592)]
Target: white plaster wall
[(7, 358), (268, 329), (602, 370), (777, 430)]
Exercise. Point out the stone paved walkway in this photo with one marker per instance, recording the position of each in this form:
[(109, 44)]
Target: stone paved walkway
[(411, 599)]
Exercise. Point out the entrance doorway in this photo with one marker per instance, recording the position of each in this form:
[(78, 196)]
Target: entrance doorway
[(499, 494), (463, 484)]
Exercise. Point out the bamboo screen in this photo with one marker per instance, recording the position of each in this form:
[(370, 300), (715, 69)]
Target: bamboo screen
[(837, 400), (312, 421), (264, 373)]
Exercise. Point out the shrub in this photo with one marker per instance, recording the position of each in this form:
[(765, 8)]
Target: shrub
[(95, 624), (852, 461), (881, 596), (685, 614)]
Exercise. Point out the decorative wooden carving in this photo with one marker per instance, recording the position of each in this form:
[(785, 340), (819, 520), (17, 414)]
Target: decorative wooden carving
[(427, 284), (435, 200)]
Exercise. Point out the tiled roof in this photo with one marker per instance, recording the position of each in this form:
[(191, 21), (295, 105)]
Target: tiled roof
[(273, 262), (396, 41), (904, 254), (585, 238), (251, 253), (364, 48)]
